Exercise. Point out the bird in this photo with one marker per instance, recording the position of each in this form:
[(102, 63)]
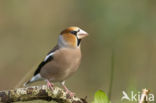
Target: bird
[(62, 61)]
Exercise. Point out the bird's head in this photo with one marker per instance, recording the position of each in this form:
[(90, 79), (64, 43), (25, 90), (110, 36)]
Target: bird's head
[(71, 37)]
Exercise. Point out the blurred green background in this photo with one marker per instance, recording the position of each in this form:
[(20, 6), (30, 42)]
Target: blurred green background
[(29, 29)]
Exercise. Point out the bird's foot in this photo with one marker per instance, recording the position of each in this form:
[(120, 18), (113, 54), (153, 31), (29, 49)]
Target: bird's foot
[(50, 85), (71, 94)]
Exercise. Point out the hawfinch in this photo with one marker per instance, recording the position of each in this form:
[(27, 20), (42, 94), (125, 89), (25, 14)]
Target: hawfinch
[(63, 60)]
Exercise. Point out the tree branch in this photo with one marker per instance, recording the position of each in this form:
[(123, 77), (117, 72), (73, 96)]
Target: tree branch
[(36, 93)]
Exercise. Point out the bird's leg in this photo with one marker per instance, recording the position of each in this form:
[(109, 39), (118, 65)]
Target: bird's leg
[(67, 90), (50, 85)]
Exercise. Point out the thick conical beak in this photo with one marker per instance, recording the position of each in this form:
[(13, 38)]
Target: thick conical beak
[(81, 34)]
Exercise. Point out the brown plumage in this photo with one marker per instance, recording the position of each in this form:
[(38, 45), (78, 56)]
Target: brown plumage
[(63, 60)]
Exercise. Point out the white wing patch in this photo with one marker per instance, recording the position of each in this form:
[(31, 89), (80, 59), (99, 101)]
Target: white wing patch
[(48, 56)]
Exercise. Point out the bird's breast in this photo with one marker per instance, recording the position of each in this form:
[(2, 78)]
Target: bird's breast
[(68, 58)]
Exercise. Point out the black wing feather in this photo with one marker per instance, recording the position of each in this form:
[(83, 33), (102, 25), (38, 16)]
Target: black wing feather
[(46, 61), (42, 64)]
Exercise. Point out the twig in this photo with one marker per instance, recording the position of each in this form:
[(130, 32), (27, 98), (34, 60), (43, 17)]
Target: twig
[(144, 96), (36, 93), (111, 75)]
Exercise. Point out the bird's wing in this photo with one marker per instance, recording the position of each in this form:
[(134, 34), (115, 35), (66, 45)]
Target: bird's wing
[(48, 58)]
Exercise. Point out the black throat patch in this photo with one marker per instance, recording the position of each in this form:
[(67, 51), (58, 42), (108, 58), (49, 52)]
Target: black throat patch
[(78, 41)]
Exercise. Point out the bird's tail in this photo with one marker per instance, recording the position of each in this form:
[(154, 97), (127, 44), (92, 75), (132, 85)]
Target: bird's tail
[(26, 83), (25, 78), (33, 79)]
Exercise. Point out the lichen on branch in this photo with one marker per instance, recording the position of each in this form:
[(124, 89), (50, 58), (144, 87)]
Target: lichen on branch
[(37, 93)]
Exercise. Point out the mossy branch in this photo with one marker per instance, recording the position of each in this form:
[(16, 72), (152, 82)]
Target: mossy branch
[(37, 93)]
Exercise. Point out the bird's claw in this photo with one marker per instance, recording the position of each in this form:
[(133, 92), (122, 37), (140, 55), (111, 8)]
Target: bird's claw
[(50, 85), (71, 94)]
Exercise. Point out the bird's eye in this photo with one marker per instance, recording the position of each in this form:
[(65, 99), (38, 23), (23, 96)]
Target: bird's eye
[(74, 32)]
